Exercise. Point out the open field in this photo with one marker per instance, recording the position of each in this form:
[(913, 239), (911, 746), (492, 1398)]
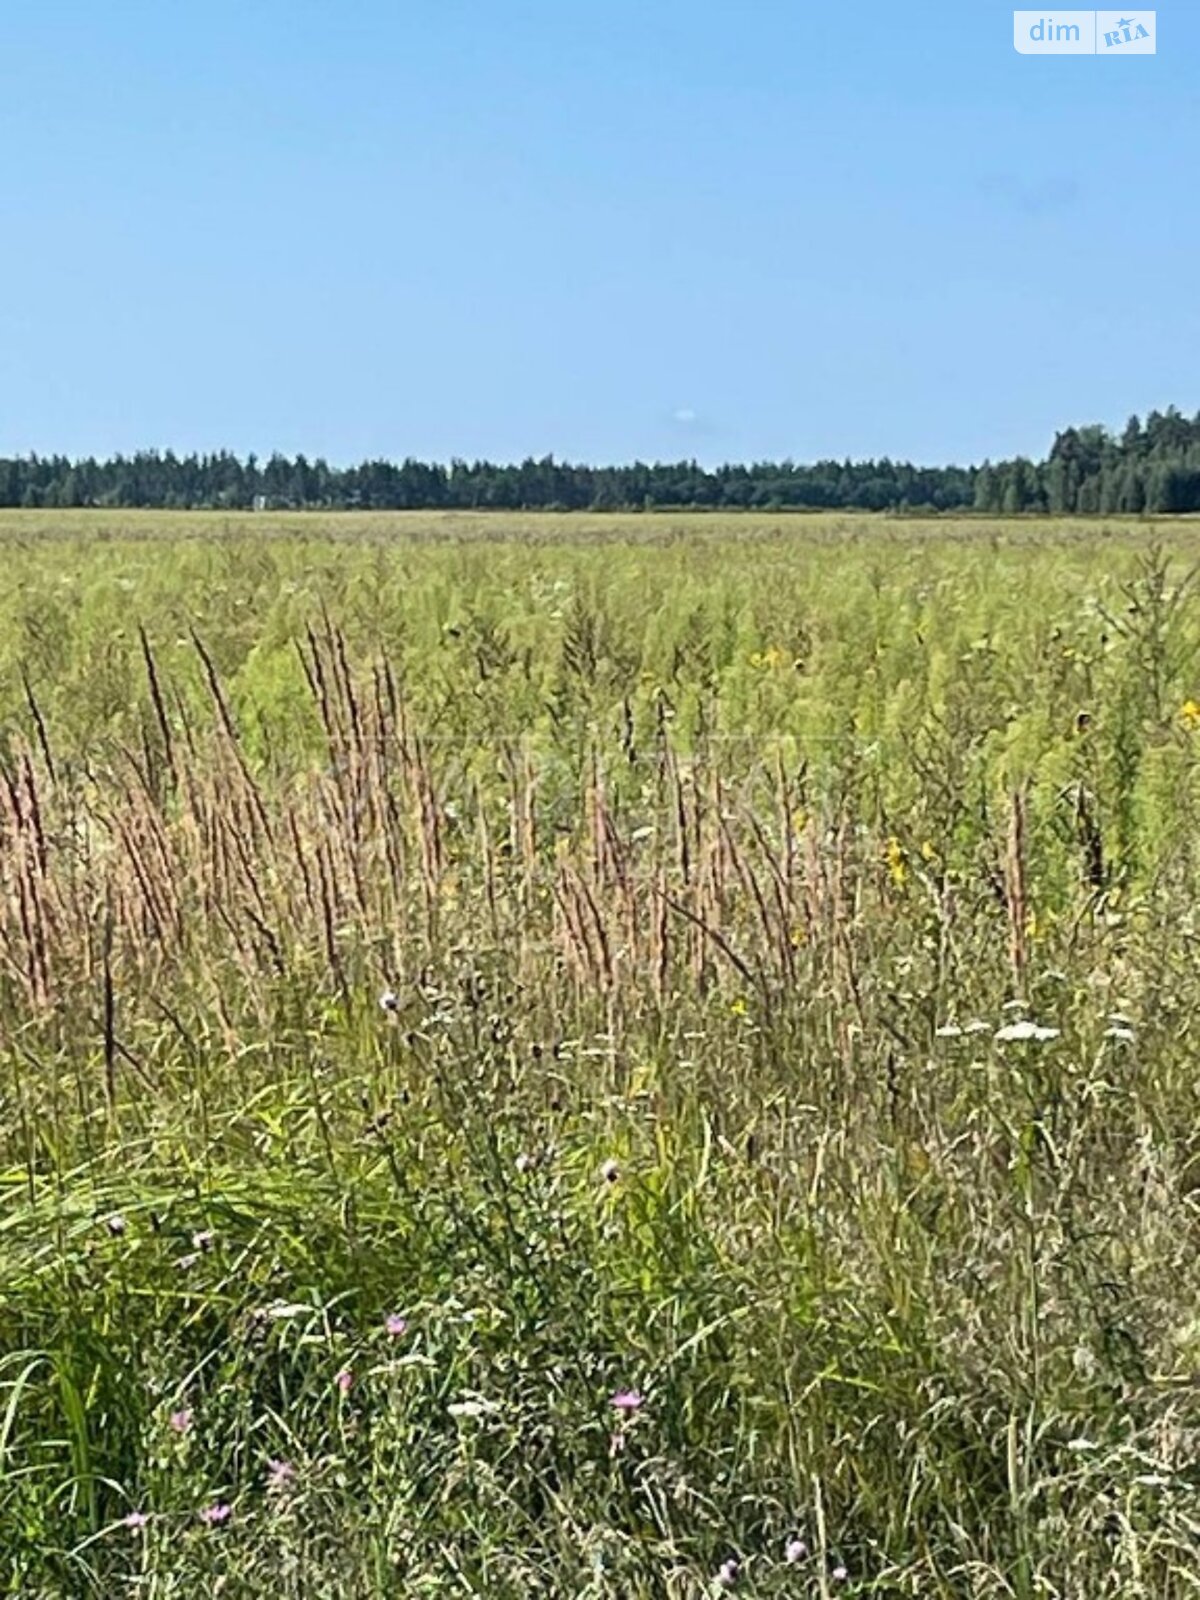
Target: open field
[(788, 933)]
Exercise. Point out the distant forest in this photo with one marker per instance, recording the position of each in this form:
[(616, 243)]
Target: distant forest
[(1150, 467)]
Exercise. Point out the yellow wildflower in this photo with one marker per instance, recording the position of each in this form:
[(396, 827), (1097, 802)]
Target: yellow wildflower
[(768, 659), (1190, 712), (897, 868), (739, 1008)]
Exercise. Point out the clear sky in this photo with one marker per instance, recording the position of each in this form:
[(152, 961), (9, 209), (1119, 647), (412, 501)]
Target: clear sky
[(598, 228)]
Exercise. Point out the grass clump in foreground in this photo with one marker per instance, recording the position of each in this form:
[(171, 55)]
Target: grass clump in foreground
[(628, 1071)]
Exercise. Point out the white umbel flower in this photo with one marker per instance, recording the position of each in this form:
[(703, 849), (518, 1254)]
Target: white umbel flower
[(1025, 1032)]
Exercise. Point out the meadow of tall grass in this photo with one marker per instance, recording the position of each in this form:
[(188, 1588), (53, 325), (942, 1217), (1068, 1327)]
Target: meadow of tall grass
[(617, 1057)]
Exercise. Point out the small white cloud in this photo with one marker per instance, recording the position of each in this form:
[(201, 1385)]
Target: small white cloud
[(686, 415)]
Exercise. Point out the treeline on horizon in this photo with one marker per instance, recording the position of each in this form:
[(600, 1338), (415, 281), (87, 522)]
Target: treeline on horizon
[(1151, 467)]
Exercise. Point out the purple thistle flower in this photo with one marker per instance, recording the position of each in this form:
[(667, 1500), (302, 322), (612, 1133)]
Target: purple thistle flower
[(186, 1263), (728, 1574), (627, 1401), (135, 1521), (181, 1421), (213, 1516), (345, 1380), (395, 1326), (795, 1550), (839, 1574)]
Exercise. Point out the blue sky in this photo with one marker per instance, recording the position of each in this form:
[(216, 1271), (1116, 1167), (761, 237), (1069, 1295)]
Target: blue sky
[(597, 228)]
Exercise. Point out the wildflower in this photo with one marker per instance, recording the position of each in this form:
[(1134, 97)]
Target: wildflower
[(1025, 1032), (115, 1224), (344, 1380), (135, 1521), (389, 1000), (187, 1262), (626, 1401), (469, 1408), (395, 1326), (795, 1550), (525, 1163), (928, 852), (203, 1240), (897, 869), (728, 1574), (181, 1421), (739, 1008), (279, 1475), (949, 1030), (1080, 1446), (769, 658), (1189, 711), (216, 1514), (610, 1171), (1118, 1031), (280, 1311), (839, 1574)]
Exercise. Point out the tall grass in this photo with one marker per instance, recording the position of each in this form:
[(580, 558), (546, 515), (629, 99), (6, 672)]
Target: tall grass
[(450, 983)]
